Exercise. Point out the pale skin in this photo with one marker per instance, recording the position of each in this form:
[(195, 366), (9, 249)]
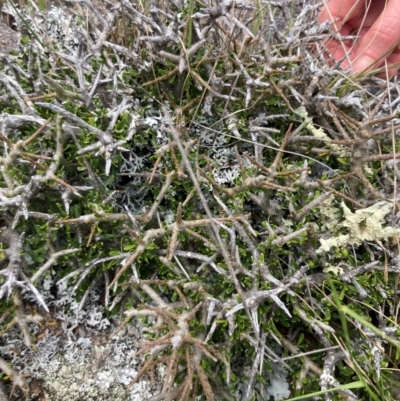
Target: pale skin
[(377, 26)]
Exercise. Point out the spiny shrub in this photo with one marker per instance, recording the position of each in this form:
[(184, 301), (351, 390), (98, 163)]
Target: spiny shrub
[(203, 166)]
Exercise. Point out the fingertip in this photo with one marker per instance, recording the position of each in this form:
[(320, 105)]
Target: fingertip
[(363, 64), (323, 16)]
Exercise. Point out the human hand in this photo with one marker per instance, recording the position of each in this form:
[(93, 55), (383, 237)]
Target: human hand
[(376, 23)]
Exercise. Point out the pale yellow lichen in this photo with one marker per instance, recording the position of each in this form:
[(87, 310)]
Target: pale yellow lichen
[(319, 133), (362, 225)]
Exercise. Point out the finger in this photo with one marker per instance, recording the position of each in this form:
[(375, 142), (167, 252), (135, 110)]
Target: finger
[(338, 50), (393, 65), (341, 12), (345, 14), (380, 40), (367, 16)]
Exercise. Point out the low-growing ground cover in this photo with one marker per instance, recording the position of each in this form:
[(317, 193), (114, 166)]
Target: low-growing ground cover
[(194, 205)]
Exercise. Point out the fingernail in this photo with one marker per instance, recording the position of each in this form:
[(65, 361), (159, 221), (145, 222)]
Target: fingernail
[(363, 64)]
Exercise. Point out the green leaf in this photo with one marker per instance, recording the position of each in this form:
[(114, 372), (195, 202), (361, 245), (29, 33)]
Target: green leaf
[(349, 386)]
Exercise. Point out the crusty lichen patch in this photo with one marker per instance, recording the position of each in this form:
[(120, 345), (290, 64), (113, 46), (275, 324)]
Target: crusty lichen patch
[(79, 354), (95, 380), (105, 374)]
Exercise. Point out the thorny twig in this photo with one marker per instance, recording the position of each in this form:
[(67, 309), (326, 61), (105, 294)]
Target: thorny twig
[(243, 234)]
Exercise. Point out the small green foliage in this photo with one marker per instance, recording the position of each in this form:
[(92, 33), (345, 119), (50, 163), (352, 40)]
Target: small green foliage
[(201, 186)]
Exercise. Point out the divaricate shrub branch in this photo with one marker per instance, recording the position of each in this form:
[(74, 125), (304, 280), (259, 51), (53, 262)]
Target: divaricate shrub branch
[(203, 168)]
